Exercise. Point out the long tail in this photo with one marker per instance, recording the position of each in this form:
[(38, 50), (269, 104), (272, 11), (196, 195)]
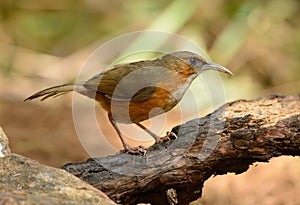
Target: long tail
[(56, 91)]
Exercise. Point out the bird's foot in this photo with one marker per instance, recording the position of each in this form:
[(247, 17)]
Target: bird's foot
[(135, 150), (169, 136)]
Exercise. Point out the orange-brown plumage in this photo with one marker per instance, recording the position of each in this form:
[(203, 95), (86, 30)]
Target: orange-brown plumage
[(128, 92)]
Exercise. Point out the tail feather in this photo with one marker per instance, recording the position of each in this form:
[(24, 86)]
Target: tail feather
[(54, 91)]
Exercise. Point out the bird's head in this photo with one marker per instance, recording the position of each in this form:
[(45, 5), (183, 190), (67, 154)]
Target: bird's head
[(198, 63)]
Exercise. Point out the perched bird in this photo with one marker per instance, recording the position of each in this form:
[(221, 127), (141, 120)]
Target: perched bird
[(129, 92)]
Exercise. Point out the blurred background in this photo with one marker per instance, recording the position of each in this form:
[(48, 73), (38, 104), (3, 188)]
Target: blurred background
[(44, 43)]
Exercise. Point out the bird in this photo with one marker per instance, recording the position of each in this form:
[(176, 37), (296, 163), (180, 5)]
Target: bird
[(130, 91)]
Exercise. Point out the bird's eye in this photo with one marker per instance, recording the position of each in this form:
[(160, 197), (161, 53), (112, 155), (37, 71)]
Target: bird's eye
[(192, 61)]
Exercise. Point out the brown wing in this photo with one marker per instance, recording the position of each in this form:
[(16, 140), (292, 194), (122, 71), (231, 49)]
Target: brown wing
[(134, 81)]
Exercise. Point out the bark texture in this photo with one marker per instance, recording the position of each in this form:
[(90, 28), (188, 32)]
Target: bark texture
[(227, 140)]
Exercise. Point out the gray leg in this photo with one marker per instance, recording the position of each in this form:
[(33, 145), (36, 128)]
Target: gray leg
[(127, 147), (158, 139)]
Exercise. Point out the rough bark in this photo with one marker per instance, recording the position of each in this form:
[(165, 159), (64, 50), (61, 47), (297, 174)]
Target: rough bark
[(227, 140)]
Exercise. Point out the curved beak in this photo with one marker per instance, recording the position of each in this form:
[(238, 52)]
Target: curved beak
[(216, 67)]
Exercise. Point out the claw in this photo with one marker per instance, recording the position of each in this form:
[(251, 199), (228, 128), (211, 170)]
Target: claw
[(169, 136), (135, 150)]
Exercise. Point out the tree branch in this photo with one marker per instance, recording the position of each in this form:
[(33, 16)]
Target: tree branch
[(227, 140)]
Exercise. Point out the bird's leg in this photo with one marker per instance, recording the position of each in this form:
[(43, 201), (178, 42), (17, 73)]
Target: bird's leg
[(128, 149), (158, 139), (155, 136)]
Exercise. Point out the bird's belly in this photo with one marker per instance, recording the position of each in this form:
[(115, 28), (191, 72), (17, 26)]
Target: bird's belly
[(161, 101), (131, 112)]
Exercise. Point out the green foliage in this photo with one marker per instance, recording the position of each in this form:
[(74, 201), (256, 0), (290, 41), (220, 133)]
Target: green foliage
[(258, 39)]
